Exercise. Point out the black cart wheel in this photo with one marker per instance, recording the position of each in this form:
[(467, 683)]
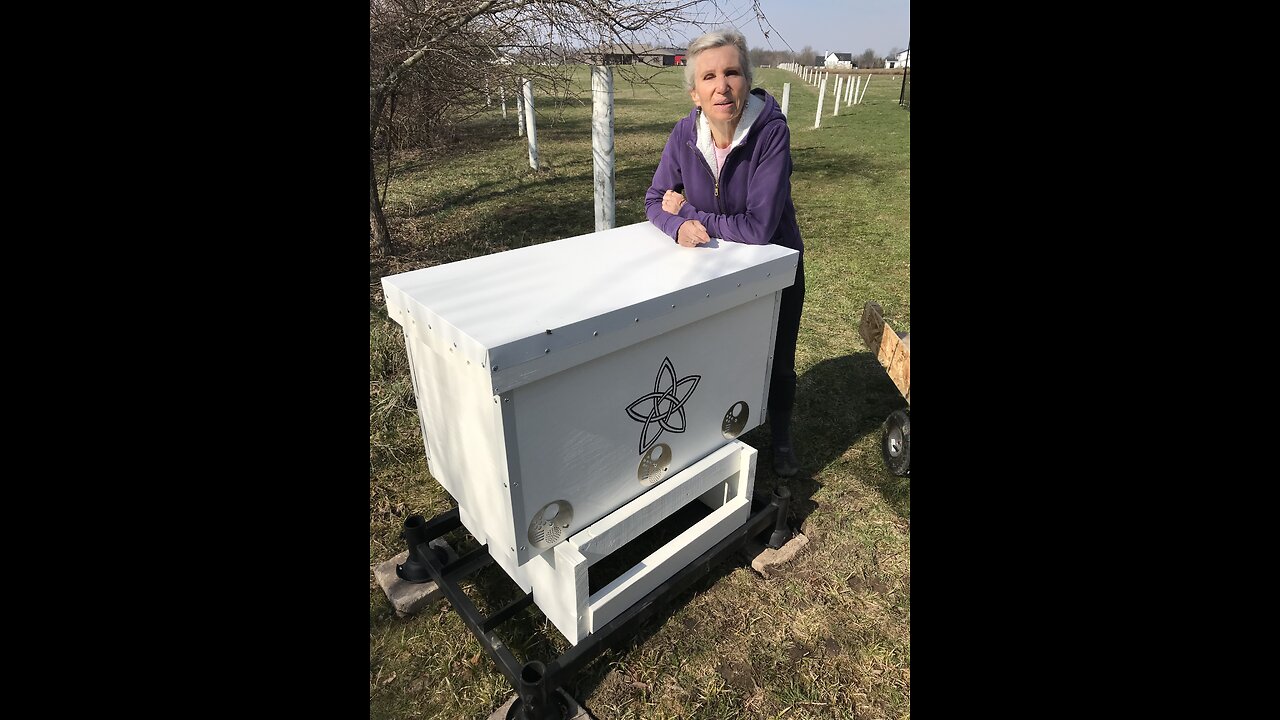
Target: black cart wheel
[(895, 444)]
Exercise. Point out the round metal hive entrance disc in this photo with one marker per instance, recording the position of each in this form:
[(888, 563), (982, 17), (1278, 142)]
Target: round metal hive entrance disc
[(551, 524), (735, 419), (655, 464)]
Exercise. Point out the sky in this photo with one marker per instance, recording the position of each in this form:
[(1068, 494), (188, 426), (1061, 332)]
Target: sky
[(827, 25)]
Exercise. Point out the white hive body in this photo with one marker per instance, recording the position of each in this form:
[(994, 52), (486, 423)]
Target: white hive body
[(656, 357)]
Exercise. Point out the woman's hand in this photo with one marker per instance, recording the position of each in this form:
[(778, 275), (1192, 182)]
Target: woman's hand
[(671, 201), (691, 233)]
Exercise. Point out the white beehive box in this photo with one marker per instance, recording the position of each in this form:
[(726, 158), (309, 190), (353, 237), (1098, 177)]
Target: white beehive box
[(557, 382)]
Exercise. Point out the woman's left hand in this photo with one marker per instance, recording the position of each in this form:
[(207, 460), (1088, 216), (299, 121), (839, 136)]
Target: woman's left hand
[(671, 201)]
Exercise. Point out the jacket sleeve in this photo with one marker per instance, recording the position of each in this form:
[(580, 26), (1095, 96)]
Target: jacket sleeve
[(667, 177), (767, 194)]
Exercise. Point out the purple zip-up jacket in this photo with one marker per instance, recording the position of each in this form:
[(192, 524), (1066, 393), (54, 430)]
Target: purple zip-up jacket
[(753, 203)]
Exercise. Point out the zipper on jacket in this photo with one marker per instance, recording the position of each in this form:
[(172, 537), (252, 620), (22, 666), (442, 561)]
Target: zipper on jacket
[(714, 179)]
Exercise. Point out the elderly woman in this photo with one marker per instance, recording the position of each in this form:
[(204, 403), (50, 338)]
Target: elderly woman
[(732, 158)]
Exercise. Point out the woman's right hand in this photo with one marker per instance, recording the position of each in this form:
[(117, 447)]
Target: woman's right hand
[(671, 201), (692, 234)]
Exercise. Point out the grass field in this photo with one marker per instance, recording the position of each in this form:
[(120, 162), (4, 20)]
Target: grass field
[(830, 638)]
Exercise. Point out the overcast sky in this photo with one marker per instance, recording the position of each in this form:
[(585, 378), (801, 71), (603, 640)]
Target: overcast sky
[(827, 25)]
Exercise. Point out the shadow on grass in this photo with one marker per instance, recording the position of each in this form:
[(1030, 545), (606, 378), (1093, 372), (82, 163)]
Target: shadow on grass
[(574, 125), (633, 181), (467, 137), (493, 189), (563, 207), (830, 164), (838, 402), (573, 214), (575, 129)]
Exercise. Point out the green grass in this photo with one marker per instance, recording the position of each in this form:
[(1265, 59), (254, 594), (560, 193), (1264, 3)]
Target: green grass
[(830, 638)]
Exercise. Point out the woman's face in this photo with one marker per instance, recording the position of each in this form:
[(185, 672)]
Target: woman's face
[(720, 84)]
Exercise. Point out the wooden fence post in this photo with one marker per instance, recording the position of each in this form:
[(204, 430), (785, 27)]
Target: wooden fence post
[(786, 96)]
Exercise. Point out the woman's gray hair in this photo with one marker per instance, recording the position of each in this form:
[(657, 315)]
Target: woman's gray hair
[(715, 39)]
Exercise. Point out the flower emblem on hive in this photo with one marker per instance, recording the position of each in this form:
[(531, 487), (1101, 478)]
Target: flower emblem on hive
[(663, 407)]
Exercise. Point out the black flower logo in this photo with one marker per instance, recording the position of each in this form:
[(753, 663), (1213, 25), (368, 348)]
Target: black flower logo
[(665, 405)]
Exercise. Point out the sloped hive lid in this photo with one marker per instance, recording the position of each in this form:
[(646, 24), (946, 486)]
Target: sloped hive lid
[(595, 293)]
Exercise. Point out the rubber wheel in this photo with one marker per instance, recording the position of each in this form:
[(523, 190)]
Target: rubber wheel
[(895, 444)]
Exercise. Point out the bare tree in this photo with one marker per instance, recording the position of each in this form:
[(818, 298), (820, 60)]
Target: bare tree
[(761, 57), (430, 58), (868, 59)]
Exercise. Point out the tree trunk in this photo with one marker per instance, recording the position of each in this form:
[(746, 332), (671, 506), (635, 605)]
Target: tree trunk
[(377, 221)]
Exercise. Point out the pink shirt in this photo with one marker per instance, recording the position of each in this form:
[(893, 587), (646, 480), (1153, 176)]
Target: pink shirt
[(721, 154)]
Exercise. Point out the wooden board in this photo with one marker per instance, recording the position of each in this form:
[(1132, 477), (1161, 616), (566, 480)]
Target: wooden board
[(892, 351)]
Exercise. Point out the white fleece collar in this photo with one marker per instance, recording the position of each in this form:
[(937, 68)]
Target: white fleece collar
[(754, 107)]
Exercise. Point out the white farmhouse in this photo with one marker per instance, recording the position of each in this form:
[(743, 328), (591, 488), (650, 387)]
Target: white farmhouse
[(902, 60), (839, 60)]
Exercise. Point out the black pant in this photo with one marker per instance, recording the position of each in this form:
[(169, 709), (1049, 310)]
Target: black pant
[(782, 383)]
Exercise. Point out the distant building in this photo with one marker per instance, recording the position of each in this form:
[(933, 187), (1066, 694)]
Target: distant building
[(902, 60), (663, 56), (839, 60), (637, 54)]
